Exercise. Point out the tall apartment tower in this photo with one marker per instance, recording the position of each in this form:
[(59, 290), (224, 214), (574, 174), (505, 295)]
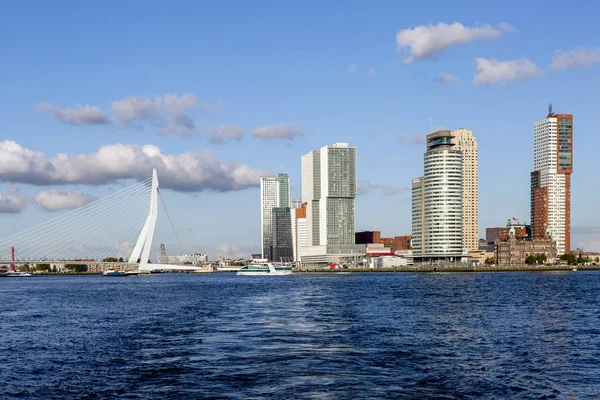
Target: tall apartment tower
[(437, 202), (417, 215), (551, 179), (329, 189), (311, 194), (274, 193), (464, 141)]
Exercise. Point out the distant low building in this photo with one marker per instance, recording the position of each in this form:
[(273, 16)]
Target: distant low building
[(514, 251), (374, 237)]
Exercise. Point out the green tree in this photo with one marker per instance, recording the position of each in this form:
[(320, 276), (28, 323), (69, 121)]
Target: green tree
[(569, 258), (580, 259), (530, 260), (540, 259), (42, 267), (110, 259), (489, 261), (76, 267)]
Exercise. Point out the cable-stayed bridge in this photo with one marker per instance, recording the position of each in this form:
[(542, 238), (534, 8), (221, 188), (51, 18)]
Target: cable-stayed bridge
[(118, 226)]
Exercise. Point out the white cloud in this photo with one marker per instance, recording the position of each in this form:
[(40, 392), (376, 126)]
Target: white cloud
[(352, 68), (579, 57), (506, 27), (282, 131), (493, 72), (225, 134), (192, 171), (212, 106), (55, 199), (425, 42), (447, 79), (175, 130), (13, 202), (365, 186), (417, 139), (370, 71), (80, 115)]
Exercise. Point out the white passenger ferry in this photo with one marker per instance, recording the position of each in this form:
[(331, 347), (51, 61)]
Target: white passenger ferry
[(265, 269)]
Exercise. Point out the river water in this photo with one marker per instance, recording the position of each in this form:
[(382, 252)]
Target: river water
[(327, 336)]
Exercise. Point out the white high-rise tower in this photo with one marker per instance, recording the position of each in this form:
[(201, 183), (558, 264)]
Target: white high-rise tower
[(274, 193)]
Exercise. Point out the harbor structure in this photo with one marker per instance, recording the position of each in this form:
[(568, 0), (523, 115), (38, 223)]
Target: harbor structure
[(551, 179), (464, 141)]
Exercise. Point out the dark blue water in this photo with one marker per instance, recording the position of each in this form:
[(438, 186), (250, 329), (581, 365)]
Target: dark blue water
[(493, 335)]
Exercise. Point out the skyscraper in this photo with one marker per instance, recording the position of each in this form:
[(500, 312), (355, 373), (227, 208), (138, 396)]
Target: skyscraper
[(283, 240), (329, 189), (464, 141), (437, 202), (311, 194), (417, 215), (274, 192), (551, 179)]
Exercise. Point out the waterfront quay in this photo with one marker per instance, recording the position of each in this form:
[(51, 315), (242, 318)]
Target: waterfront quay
[(455, 268)]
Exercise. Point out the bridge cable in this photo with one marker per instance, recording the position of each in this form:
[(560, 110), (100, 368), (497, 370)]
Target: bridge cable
[(170, 221)]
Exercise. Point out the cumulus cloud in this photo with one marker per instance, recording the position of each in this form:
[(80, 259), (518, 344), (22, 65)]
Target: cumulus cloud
[(417, 139), (493, 72), (352, 68), (447, 79), (55, 199), (14, 201), (370, 71), (365, 186), (192, 171), (80, 115), (425, 42), (579, 57), (169, 108), (225, 134), (282, 131)]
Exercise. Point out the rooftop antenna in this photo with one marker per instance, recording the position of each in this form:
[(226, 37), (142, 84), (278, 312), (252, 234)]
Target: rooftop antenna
[(550, 113)]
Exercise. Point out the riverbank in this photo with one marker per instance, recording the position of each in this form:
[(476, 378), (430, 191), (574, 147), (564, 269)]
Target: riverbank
[(434, 268)]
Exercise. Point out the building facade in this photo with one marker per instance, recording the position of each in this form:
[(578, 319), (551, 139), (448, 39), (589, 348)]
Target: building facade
[(329, 189), (551, 179), (367, 237), (418, 213), (274, 192), (300, 241), (440, 194), (283, 246), (464, 141), (514, 251), (311, 194)]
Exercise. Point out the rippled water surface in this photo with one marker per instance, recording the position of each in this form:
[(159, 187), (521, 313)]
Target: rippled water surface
[(493, 335)]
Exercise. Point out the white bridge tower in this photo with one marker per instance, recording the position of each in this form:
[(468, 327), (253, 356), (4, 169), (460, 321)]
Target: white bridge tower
[(144, 242)]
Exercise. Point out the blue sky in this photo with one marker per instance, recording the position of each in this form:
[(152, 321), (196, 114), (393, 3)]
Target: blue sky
[(312, 72)]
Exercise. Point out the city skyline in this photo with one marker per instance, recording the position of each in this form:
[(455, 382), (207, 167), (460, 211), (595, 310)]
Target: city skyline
[(92, 116)]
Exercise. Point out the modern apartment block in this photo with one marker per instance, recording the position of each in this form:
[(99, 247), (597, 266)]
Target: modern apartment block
[(274, 193), (464, 141), (551, 179), (283, 242), (329, 189), (311, 194), (437, 200), (418, 202), (299, 224)]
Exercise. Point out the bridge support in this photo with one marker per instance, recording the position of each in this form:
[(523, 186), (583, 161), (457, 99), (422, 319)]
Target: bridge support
[(144, 242)]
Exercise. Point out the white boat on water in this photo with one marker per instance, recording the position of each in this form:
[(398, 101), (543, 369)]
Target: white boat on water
[(265, 269), (18, 274)]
